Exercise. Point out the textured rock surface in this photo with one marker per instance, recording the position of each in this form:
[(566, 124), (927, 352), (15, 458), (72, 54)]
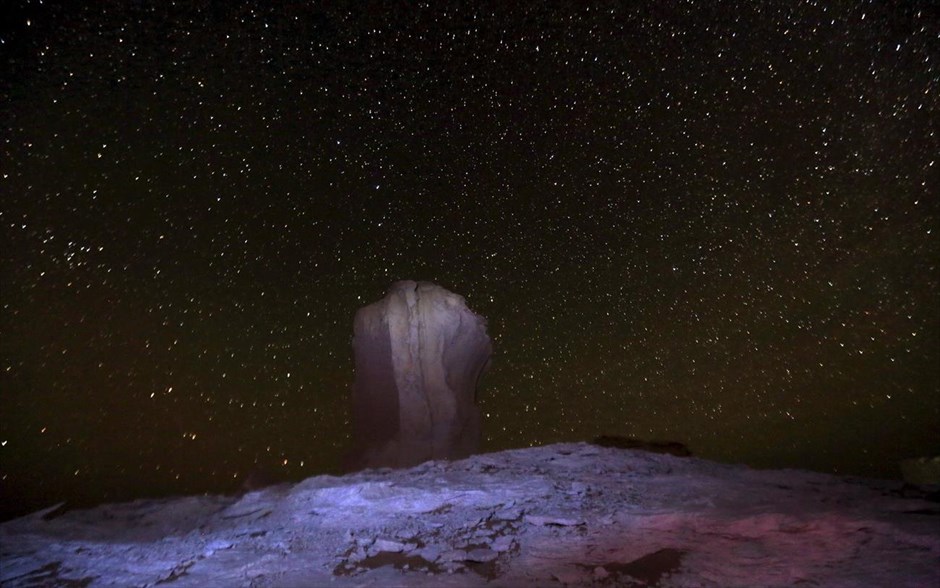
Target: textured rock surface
[(561, 515), (419, 353)]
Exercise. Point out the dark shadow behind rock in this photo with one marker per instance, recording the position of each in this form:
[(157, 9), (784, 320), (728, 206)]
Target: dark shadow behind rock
[(419, 355), (668, 447), (259, 478), (921, 471)]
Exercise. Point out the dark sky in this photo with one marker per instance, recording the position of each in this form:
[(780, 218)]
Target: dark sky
[(709, 222)]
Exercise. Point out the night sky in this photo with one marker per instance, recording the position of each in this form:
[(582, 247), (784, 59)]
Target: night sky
[(708, 222)]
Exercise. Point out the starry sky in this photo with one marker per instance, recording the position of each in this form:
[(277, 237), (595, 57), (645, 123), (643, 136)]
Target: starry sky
[(702, 221)]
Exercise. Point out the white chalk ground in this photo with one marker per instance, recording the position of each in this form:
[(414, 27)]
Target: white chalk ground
[(567, 514)]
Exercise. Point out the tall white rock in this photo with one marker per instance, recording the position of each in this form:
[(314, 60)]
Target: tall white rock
[(419, 355)]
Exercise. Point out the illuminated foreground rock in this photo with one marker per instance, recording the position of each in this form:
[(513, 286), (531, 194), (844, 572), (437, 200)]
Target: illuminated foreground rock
[(567, 514)]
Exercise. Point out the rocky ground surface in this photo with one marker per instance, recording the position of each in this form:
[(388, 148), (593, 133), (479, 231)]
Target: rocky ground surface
[(566, 514)]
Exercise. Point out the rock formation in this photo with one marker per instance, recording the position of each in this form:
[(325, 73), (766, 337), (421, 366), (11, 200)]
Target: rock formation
[(419, 355)]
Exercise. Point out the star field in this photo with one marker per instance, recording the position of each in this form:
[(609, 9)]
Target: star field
[(709, 222)]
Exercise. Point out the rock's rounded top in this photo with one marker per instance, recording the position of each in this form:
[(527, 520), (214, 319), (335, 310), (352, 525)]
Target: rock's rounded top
[(426, 288)]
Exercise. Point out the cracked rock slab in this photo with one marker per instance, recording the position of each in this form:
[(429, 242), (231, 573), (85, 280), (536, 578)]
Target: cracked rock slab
[(566, 514)]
